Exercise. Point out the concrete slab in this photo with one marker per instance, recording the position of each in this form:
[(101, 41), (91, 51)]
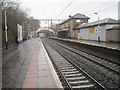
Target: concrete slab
[(110, 45), (47, 76), (41, 73)]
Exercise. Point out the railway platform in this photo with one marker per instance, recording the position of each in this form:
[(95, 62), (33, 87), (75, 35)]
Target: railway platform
[(109, 45), (27, 65), (41, 73)]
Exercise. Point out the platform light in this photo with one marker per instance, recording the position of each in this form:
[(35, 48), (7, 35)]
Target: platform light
[(98, 26)]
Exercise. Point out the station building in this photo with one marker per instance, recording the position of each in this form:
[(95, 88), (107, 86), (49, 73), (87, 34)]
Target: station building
[(113, 34), (66, 28), (97, 30)]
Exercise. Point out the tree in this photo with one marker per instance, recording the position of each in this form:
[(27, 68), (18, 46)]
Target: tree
[(15, 15)]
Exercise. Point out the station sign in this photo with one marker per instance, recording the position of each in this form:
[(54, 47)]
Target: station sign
[(92, 30), (97, 29)]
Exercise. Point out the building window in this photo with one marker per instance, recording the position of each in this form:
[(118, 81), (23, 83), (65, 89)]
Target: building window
[(77, 21)]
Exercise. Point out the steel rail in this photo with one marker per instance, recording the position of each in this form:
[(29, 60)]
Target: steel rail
[(118, 73), (58, 70), (88, 52), (78, 68)]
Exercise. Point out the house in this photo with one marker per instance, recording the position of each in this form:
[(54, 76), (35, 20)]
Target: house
[(66, 28), (96, 30)]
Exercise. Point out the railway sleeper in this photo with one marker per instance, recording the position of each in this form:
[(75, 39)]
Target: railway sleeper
[(72, 72), (75, 75), (69, 70), (83, 86), (80, 81)]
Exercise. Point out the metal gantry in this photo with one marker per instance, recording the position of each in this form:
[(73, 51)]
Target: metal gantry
[(50, 21)]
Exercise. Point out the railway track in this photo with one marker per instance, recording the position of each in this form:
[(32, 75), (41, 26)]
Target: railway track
[(71, 74), (107, 64), (103, 54)]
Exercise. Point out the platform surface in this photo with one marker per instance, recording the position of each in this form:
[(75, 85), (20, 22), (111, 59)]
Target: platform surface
[(41, 73), (110, 45)]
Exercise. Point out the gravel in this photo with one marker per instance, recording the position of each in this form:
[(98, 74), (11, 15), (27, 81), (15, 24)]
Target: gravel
[(106, 78)]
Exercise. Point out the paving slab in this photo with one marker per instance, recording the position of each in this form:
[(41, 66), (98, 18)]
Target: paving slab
[(41, 73)]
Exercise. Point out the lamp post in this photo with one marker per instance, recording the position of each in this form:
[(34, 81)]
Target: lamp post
[(6, 30), (6, 37), (98, 16), (98, 27), (5, 19), (4, 9)]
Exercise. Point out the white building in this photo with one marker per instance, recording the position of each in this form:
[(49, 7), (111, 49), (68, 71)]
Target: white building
[(96, 30)]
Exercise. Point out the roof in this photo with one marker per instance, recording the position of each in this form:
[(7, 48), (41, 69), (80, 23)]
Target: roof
[(114, 28), (76, 16), (102, 21), (79, 16)]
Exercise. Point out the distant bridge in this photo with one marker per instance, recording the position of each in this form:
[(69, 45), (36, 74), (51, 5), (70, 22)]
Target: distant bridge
[(44, 29)]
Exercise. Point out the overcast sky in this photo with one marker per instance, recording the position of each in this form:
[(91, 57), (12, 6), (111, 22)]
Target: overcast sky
[(51, 9)]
